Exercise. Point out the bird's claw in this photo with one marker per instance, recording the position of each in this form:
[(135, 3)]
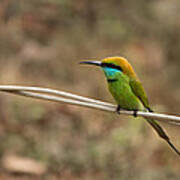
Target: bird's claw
[(118, 109), (135, 113)]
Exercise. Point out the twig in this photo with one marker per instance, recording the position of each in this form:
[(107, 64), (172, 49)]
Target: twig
[(54, 95), (54, 92)]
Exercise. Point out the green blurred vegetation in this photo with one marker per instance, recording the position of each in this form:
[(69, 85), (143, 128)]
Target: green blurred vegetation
[(41, 43)]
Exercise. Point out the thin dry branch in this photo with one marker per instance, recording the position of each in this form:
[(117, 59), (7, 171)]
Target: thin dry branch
[(69, 98)]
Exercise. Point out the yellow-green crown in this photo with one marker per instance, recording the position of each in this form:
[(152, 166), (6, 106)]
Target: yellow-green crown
[(122, 63)]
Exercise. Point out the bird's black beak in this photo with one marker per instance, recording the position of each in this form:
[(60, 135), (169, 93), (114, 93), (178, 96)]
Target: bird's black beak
[(96, 63)]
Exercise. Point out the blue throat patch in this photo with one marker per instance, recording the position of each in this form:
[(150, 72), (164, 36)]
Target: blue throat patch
[(110, 72)]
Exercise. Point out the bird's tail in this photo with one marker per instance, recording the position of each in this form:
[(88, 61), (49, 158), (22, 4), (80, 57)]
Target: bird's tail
[(162, 133)]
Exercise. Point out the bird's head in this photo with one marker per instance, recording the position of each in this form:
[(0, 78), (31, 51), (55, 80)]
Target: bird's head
[(113, 65)]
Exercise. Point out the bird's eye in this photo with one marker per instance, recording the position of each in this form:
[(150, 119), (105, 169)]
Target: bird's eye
[(110, 65)]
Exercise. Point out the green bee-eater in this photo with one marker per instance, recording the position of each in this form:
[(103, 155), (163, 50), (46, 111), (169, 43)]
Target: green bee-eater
[(127, 90)]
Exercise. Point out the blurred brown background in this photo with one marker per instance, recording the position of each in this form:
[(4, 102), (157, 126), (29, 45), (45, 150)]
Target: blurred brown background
[(41, 43)]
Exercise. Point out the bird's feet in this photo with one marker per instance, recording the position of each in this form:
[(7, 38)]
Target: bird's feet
[(118, 109), (135, 112)]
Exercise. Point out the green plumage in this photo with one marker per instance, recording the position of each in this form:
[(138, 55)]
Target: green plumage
[(130, 95), (127, 90), (138, 90), (123, 93)]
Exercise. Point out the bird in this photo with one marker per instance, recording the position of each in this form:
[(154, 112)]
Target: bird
[(128, 91)]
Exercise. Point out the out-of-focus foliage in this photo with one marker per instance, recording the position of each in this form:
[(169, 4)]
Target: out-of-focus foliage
[(41, 43)]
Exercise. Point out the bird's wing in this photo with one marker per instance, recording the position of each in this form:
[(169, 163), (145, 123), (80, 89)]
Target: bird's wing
[(138, 90)]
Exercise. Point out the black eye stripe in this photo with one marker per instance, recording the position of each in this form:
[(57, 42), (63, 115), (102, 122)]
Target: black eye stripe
[(111, 66)]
